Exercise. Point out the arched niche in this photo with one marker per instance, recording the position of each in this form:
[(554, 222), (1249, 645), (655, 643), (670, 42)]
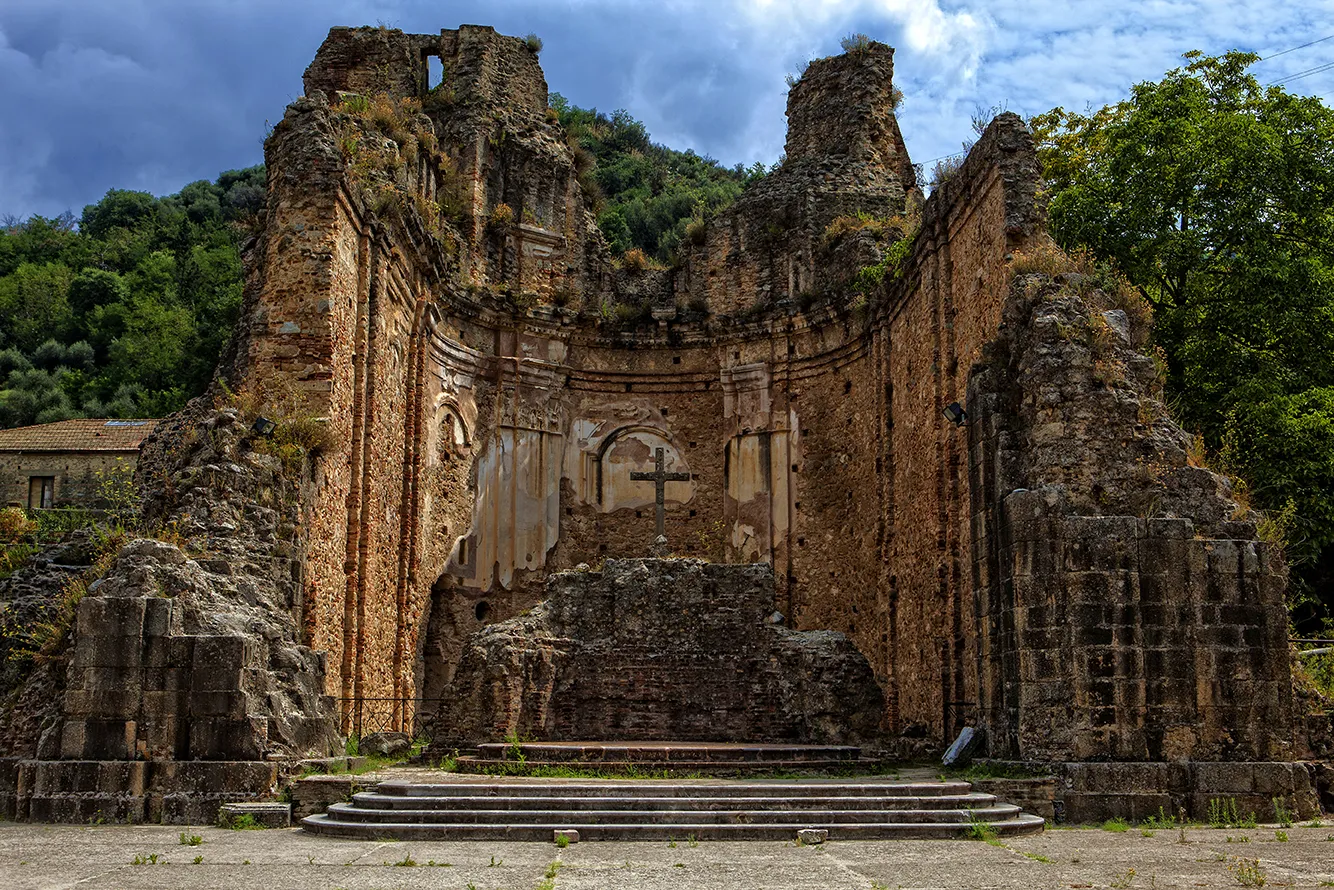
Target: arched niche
[(450, 436), (631, 449), (452, 615)]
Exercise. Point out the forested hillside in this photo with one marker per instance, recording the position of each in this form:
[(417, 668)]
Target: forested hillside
[(122, 312), (647, 193)]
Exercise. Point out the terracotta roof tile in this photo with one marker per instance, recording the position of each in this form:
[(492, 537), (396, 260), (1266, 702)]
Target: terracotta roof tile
[(78, 435)]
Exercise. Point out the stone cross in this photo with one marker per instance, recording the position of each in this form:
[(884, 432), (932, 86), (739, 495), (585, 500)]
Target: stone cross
[(659, 478)]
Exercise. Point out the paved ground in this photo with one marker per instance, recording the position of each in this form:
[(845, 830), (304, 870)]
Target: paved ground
[(58, 856)]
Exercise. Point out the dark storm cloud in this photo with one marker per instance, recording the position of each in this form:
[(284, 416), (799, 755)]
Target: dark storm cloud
[(156, 93)]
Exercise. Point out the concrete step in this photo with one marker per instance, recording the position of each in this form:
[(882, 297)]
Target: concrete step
[(670, 788), (327, 826), (715, 768), (343, 812), (650, 800), (614, 810)]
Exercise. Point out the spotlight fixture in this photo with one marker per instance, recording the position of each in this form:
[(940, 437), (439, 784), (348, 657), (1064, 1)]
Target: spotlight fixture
[(263, 426), (955, 414)]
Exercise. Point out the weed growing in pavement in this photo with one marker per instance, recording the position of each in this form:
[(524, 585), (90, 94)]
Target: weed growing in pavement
[(1223, 814), (1126, 880), (1116, 825), (1247, 872), (190, 840)]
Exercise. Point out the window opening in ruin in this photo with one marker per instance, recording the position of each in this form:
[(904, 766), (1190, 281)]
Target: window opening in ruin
[(664, 411), (847, 386), (463, 552), (676, 359), (692, 512), (482, 611), (435, 72)]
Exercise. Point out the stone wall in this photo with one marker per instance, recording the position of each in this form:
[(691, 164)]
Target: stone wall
[(1126, 608), (660, 649), (77, 475)]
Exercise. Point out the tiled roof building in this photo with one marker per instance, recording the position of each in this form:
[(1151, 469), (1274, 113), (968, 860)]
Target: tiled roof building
[(60, 464)]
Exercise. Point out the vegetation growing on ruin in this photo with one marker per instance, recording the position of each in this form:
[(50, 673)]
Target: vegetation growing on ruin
[(1210, 192), (649, 196), (122, 312), (378, 137)]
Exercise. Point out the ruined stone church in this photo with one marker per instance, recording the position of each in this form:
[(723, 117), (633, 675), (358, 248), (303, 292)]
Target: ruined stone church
[(963, 473)]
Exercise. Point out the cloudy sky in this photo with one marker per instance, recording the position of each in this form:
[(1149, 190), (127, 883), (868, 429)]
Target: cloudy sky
[(152, 94)]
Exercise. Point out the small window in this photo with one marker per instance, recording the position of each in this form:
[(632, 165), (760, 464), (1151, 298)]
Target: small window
[(41, 492), (435, 72), (482, 611), (463, 552)]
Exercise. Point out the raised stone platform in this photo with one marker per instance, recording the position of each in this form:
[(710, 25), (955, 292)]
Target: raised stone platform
[(647, 649), (533, 810)]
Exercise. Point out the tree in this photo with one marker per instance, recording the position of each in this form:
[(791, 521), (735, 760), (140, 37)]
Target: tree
[(1216, 197)]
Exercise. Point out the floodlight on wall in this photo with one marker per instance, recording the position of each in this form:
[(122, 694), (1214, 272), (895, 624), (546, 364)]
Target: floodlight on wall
[(263, 426), (955, 414)]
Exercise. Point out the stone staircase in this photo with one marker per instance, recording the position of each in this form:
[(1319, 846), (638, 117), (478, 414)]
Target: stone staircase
[(655, 759), (533, 809)]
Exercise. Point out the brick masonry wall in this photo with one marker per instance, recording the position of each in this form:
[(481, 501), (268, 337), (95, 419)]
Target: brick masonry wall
[(480, 446)]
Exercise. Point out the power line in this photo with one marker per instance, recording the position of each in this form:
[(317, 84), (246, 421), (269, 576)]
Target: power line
[(1300, 74), (1295, 48)]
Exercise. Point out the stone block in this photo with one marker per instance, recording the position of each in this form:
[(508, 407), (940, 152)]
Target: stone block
[(104, 651), (229, 704), (1089, 808), (111, 617), (169, 652), (157, 617), (385, 744), (812, 836), (265, 814), (313, 794), (570, 835), (1280, 779), (87, 808), (95, 738), (218, 661), (220, 738), (1224, 778)]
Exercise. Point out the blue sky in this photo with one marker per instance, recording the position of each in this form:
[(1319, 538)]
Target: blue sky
[(152, 94)]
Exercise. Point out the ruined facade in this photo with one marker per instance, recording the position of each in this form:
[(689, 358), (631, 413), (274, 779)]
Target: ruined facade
[(432, 292), (488, 411)]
